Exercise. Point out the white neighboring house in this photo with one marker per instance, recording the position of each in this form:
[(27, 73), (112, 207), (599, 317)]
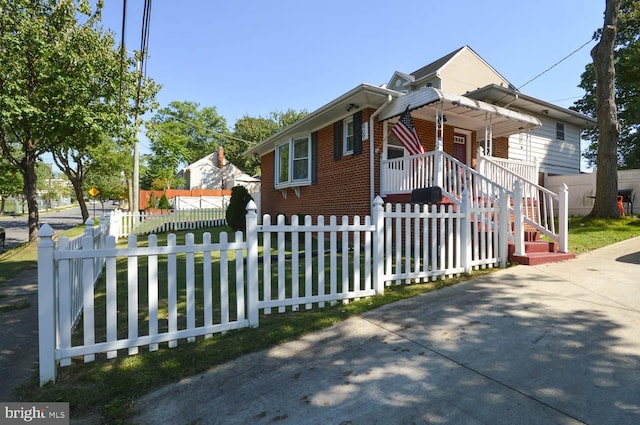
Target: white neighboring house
[(214, 172)]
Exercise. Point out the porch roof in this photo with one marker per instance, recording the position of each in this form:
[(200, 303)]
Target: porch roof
[(460, 111)]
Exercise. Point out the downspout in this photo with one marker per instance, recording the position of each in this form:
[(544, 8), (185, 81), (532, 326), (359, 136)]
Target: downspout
[(371, 149)]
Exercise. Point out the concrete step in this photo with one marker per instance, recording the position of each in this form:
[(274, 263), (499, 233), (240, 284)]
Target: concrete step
[(536, 258)]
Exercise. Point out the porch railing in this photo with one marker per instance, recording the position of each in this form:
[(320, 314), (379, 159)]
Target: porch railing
[(437, 168), (538, 203), (504, 171)]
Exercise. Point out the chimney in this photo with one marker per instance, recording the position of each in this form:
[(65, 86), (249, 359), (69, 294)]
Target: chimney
[(220, 157)]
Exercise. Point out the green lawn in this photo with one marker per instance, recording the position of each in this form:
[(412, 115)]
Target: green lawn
[(111, 386)]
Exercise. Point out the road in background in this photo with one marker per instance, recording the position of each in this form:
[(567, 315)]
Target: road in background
[(17, 227)]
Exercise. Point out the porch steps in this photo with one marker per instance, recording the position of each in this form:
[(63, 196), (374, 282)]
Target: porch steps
[(537, 251)]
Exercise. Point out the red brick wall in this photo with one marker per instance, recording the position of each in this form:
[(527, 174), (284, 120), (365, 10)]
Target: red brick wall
[(343, 185), (342, 188)]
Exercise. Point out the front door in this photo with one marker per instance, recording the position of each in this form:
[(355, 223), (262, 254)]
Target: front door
[(460, 147)]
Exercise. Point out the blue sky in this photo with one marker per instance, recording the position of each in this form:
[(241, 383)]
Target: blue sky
[(250, 57)]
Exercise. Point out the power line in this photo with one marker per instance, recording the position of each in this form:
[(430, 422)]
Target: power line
[(558, 63)]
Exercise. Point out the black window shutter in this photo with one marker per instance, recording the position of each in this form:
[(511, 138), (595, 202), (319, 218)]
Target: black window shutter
[(337, 140), (357, 133), (314, 157)]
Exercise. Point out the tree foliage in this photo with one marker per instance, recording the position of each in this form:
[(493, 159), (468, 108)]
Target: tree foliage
[(180, 134), (250, 131)]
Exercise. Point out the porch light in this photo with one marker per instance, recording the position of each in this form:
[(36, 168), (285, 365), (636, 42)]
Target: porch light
[(352, 106)]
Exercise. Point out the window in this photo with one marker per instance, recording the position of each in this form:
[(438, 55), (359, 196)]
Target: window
[(560, 131), (282, 163), (300, 159), (348, 137), (293, 164)]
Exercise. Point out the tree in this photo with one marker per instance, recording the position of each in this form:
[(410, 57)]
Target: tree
[(181, 134), (605, 205), (250, 131), (627, 91), (59, 84)]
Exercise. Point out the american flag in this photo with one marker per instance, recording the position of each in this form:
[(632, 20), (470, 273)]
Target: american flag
[(405, 132)]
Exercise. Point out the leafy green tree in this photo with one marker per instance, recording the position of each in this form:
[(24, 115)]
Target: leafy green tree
[(250, 131), (627, 90), (181, 134), (612, 98), (59, 88)]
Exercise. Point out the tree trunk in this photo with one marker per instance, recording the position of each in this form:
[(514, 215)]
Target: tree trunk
[(77, 189), (28, 168), (606, 205)]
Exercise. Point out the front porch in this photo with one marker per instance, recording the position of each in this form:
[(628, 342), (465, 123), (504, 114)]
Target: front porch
[(534, 210)]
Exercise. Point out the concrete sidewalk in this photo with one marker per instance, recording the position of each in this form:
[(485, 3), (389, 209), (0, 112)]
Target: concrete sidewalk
[(550, 344)]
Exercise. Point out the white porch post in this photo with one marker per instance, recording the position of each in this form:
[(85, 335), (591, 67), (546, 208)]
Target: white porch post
[(563, 218), (437, 160), (47, 303)]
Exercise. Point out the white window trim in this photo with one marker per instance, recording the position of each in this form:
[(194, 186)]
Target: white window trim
[(345, 124), (291, 182)]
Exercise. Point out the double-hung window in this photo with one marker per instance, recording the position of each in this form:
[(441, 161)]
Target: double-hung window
[(560, 131), (348, 136), (293, 162)]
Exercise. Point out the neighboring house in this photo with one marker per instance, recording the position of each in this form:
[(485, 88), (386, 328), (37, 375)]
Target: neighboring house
[(215, 172), (335, 160)]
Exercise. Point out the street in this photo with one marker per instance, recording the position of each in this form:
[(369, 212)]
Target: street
[(17, 230)]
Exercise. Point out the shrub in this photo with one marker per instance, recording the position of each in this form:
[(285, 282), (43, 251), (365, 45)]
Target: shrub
[(164, 204), (236, 211)]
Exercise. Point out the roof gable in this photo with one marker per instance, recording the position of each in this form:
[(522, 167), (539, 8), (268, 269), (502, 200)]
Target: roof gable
[(458, 72), (434, 66)]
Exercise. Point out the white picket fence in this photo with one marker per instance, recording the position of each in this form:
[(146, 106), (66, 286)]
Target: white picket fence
[(124, 223), (277, 266)]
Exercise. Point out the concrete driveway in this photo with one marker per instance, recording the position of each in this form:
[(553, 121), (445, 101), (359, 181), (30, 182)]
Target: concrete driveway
[(550, 344)]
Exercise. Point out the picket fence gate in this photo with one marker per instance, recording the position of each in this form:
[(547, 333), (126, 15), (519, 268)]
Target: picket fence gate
[(273, 266)]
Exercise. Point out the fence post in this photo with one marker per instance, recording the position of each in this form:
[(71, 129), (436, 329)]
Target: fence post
[(378, 245), (503, 235), (46, 305), (563, 218), (465, 234), (518, 219), (252, 264)]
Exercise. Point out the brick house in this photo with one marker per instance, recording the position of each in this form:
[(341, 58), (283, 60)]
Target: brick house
[(335, 160)]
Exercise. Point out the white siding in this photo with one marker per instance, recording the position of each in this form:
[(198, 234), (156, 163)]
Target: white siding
[(554, 156)]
